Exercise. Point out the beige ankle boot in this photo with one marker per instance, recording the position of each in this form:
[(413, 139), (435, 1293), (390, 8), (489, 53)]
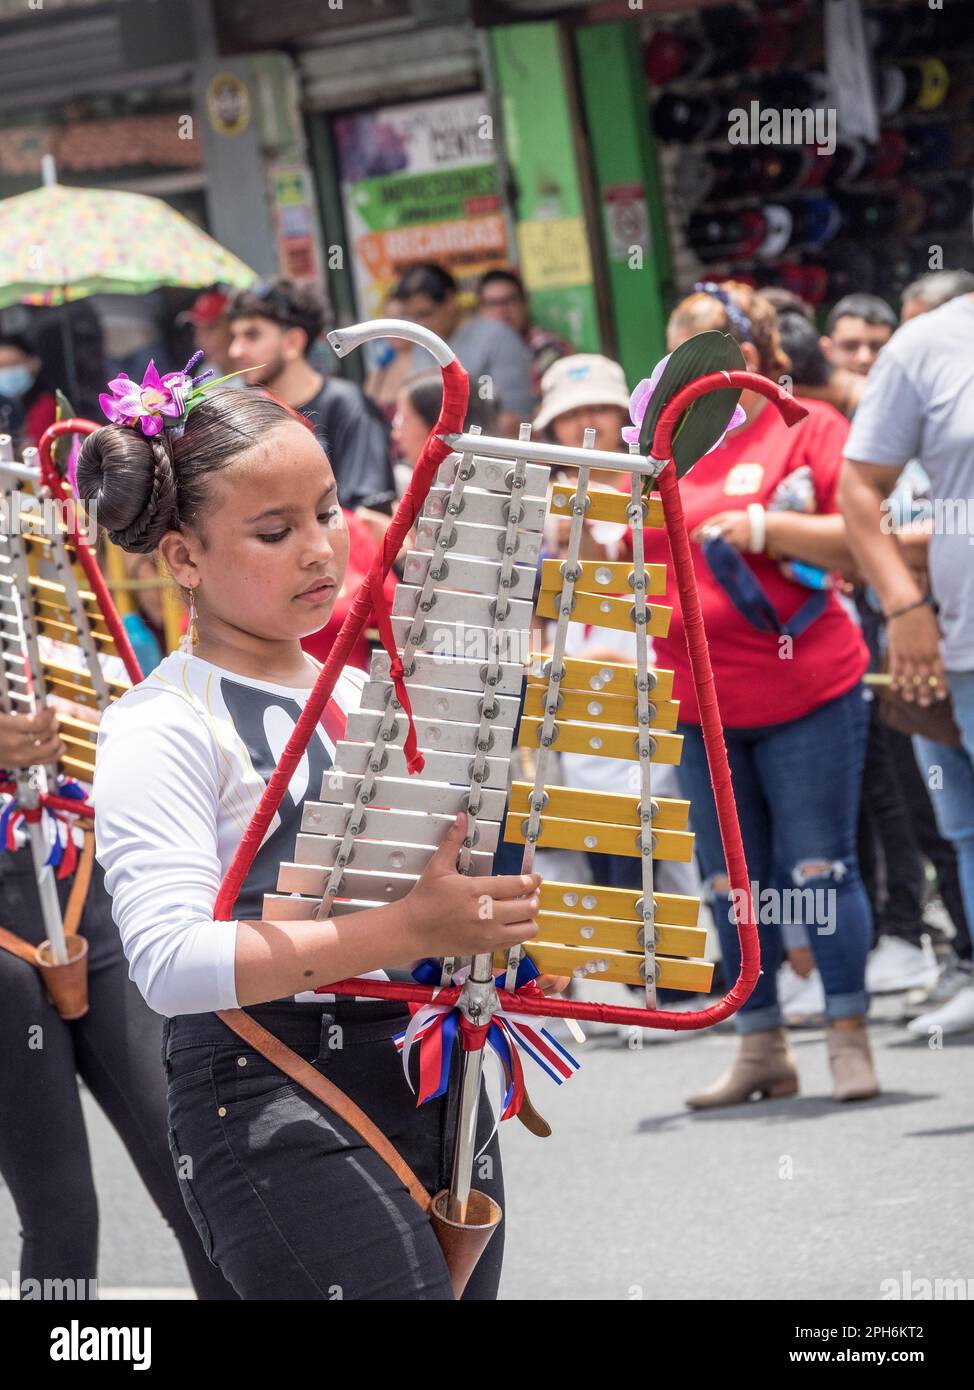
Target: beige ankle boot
[(764, 1064), (853, 1073)]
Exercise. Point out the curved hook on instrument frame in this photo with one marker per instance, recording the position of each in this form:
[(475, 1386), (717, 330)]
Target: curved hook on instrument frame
[(345, 340)]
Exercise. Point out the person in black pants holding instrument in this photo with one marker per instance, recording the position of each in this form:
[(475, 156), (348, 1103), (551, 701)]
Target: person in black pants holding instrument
[(115, 1049)]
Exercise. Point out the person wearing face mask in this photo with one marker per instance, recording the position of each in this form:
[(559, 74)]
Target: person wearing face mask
[(26, 407)]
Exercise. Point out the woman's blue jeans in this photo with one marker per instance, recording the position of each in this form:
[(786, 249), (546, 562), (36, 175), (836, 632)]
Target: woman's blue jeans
[(949, 773), (797, 787)]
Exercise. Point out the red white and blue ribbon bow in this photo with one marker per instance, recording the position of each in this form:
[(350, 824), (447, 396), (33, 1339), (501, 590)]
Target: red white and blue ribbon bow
[(64, 857), (435, 1027)]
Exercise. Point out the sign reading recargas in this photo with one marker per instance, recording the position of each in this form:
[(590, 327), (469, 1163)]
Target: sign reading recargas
[(420, 183)]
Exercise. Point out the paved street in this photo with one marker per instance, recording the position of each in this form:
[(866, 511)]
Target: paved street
[(635, 1197)]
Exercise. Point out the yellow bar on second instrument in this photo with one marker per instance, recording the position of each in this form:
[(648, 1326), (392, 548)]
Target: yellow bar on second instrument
[(604, 504), (602, 577), (612, 935), (604, 742), (604, 709), (588, 900), (611, 808), (602, 611), (615, 967), (676, 846), (607, 677)]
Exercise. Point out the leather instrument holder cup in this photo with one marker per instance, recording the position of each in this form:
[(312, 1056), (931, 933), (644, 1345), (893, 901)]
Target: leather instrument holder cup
[(464, 1243), (66, 985)]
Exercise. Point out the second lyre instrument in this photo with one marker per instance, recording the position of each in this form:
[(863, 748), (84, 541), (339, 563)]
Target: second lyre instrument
[(63, 645)]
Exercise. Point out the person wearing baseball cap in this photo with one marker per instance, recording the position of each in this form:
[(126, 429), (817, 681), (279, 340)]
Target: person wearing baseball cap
[(211, 332)]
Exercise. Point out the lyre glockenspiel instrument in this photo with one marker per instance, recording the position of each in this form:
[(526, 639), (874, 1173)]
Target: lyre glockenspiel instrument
[(63, 645), (458, 686)]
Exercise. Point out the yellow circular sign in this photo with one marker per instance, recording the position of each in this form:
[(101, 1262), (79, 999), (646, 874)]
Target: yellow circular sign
[(228, 104)]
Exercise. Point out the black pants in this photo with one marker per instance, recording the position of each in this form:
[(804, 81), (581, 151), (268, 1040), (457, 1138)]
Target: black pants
[(287, 1199), (923, 822), (116, 1050), (889, 856), (896, 829)]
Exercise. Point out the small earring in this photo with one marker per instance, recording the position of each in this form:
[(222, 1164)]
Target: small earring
[(191, 636)]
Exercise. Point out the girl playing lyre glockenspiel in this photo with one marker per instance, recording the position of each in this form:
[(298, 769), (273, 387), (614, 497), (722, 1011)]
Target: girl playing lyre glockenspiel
[(288, 1201)]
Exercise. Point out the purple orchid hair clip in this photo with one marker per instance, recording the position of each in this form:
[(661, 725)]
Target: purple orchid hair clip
[(639, 404), (159, 402)]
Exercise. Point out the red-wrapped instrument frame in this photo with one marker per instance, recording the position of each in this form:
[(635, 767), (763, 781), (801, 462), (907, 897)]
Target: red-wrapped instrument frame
[(452, 413)]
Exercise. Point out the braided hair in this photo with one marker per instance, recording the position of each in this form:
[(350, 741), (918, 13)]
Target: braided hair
[(142, 487)]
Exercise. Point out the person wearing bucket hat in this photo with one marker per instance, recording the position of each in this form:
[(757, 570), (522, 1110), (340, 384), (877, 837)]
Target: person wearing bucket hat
[(585, 384), (112, 1047), (763, 496)]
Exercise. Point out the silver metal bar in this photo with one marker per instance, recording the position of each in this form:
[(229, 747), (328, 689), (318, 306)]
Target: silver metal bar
[(320, 851), (325, 820), (413, 794), (477, 539), (480, 576), (481, 610), (362, 727), (463, 640), (452, 706), (466, 1137), (494, 473), (559, 453), (452, 673), (487, 508), (442, 767)]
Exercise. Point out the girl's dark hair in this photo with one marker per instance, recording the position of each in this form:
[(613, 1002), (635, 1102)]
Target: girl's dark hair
[(146, 486), (425, 394)]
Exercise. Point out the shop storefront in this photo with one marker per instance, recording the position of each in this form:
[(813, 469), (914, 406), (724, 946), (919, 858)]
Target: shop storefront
[(797, 148)]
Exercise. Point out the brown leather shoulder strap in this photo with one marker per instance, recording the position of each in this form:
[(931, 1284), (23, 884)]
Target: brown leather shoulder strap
[(16, 945), (79, 888), (305, 1075)]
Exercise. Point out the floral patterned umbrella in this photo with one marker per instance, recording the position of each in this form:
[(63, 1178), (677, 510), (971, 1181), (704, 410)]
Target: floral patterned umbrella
[(59, 244)]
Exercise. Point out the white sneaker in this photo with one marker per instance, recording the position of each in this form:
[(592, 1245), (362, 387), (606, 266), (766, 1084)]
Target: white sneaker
[(953, 977), (896, 965), (957, 1016), (807, 1004)]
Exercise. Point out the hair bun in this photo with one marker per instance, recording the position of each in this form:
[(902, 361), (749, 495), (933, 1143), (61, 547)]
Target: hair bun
[(130, 482)]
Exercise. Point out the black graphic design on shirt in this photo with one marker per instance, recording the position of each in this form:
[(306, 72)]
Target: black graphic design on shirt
[(247, 707)]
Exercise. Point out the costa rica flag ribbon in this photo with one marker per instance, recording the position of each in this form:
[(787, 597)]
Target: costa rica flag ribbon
[(64, 857), (434, 1028)]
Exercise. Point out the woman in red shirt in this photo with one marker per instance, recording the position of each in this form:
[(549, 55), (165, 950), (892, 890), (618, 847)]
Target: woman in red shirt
[(788, 663)]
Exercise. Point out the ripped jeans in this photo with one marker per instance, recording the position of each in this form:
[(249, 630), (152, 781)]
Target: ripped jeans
[(797, 787)]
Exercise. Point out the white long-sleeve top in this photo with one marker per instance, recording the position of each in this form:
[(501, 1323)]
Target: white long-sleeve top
[(182, 761)]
